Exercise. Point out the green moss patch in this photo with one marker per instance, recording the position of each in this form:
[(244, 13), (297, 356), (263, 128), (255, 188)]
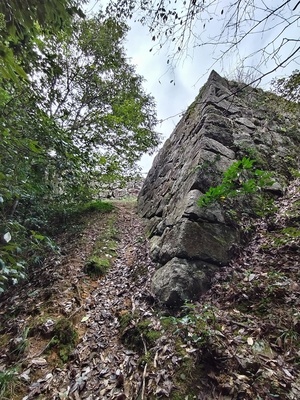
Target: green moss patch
[(64, 339), (124, 321), (104, 249), (96, 266)]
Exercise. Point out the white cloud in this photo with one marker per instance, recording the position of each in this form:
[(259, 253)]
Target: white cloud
[(174, 97), (191, 72)]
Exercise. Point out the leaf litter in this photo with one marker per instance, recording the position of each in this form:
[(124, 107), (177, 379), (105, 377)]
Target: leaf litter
[(239, 341)]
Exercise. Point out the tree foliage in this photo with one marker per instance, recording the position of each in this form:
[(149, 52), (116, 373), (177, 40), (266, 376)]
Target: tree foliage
[(80, 121), (24, 23), (289, 87), (228, 25), (95, 96)]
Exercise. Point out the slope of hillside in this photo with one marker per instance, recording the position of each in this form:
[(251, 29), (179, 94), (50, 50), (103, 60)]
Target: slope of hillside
[(65, 335)]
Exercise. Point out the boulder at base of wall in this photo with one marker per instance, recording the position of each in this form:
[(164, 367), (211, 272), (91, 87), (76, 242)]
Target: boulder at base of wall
[(180, 280)]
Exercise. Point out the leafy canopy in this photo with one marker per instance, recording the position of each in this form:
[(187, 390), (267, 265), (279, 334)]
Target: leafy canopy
[(78, 123), (24, 24), (94, 95)]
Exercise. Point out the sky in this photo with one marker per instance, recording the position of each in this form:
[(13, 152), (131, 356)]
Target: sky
[(172, 99), (192, 71)]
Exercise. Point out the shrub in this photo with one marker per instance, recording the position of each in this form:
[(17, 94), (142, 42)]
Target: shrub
[(239, 179)]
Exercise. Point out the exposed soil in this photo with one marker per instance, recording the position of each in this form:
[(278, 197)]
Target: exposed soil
[(70, 336), (60, 289)]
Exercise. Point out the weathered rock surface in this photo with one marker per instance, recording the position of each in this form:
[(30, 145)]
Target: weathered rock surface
[(226, 122), (179, 280)]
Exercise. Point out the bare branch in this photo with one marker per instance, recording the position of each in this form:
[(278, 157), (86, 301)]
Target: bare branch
[(183, 26)]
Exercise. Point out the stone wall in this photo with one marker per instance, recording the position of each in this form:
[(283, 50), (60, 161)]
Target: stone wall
[(121, 191), (226, 122)]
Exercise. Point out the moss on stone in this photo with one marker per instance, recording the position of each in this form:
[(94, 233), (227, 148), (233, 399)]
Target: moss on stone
[(65, 332), (167, 322), (188, 377)]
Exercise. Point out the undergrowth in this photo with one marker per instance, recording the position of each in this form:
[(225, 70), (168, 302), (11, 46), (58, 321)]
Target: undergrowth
[(25, 243), (8, 381)]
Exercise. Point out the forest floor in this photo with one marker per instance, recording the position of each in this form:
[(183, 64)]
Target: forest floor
[(67, 333)]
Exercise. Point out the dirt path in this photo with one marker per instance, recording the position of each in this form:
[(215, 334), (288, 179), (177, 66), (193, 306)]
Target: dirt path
[(99, 367), (64, 335), (102, 368)]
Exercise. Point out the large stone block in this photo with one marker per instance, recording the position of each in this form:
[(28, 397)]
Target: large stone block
[(197, 241), (180, 280), (218, 128)]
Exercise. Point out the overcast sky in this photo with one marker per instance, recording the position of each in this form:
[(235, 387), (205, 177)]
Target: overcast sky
[(192, 71), (172, 99)]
